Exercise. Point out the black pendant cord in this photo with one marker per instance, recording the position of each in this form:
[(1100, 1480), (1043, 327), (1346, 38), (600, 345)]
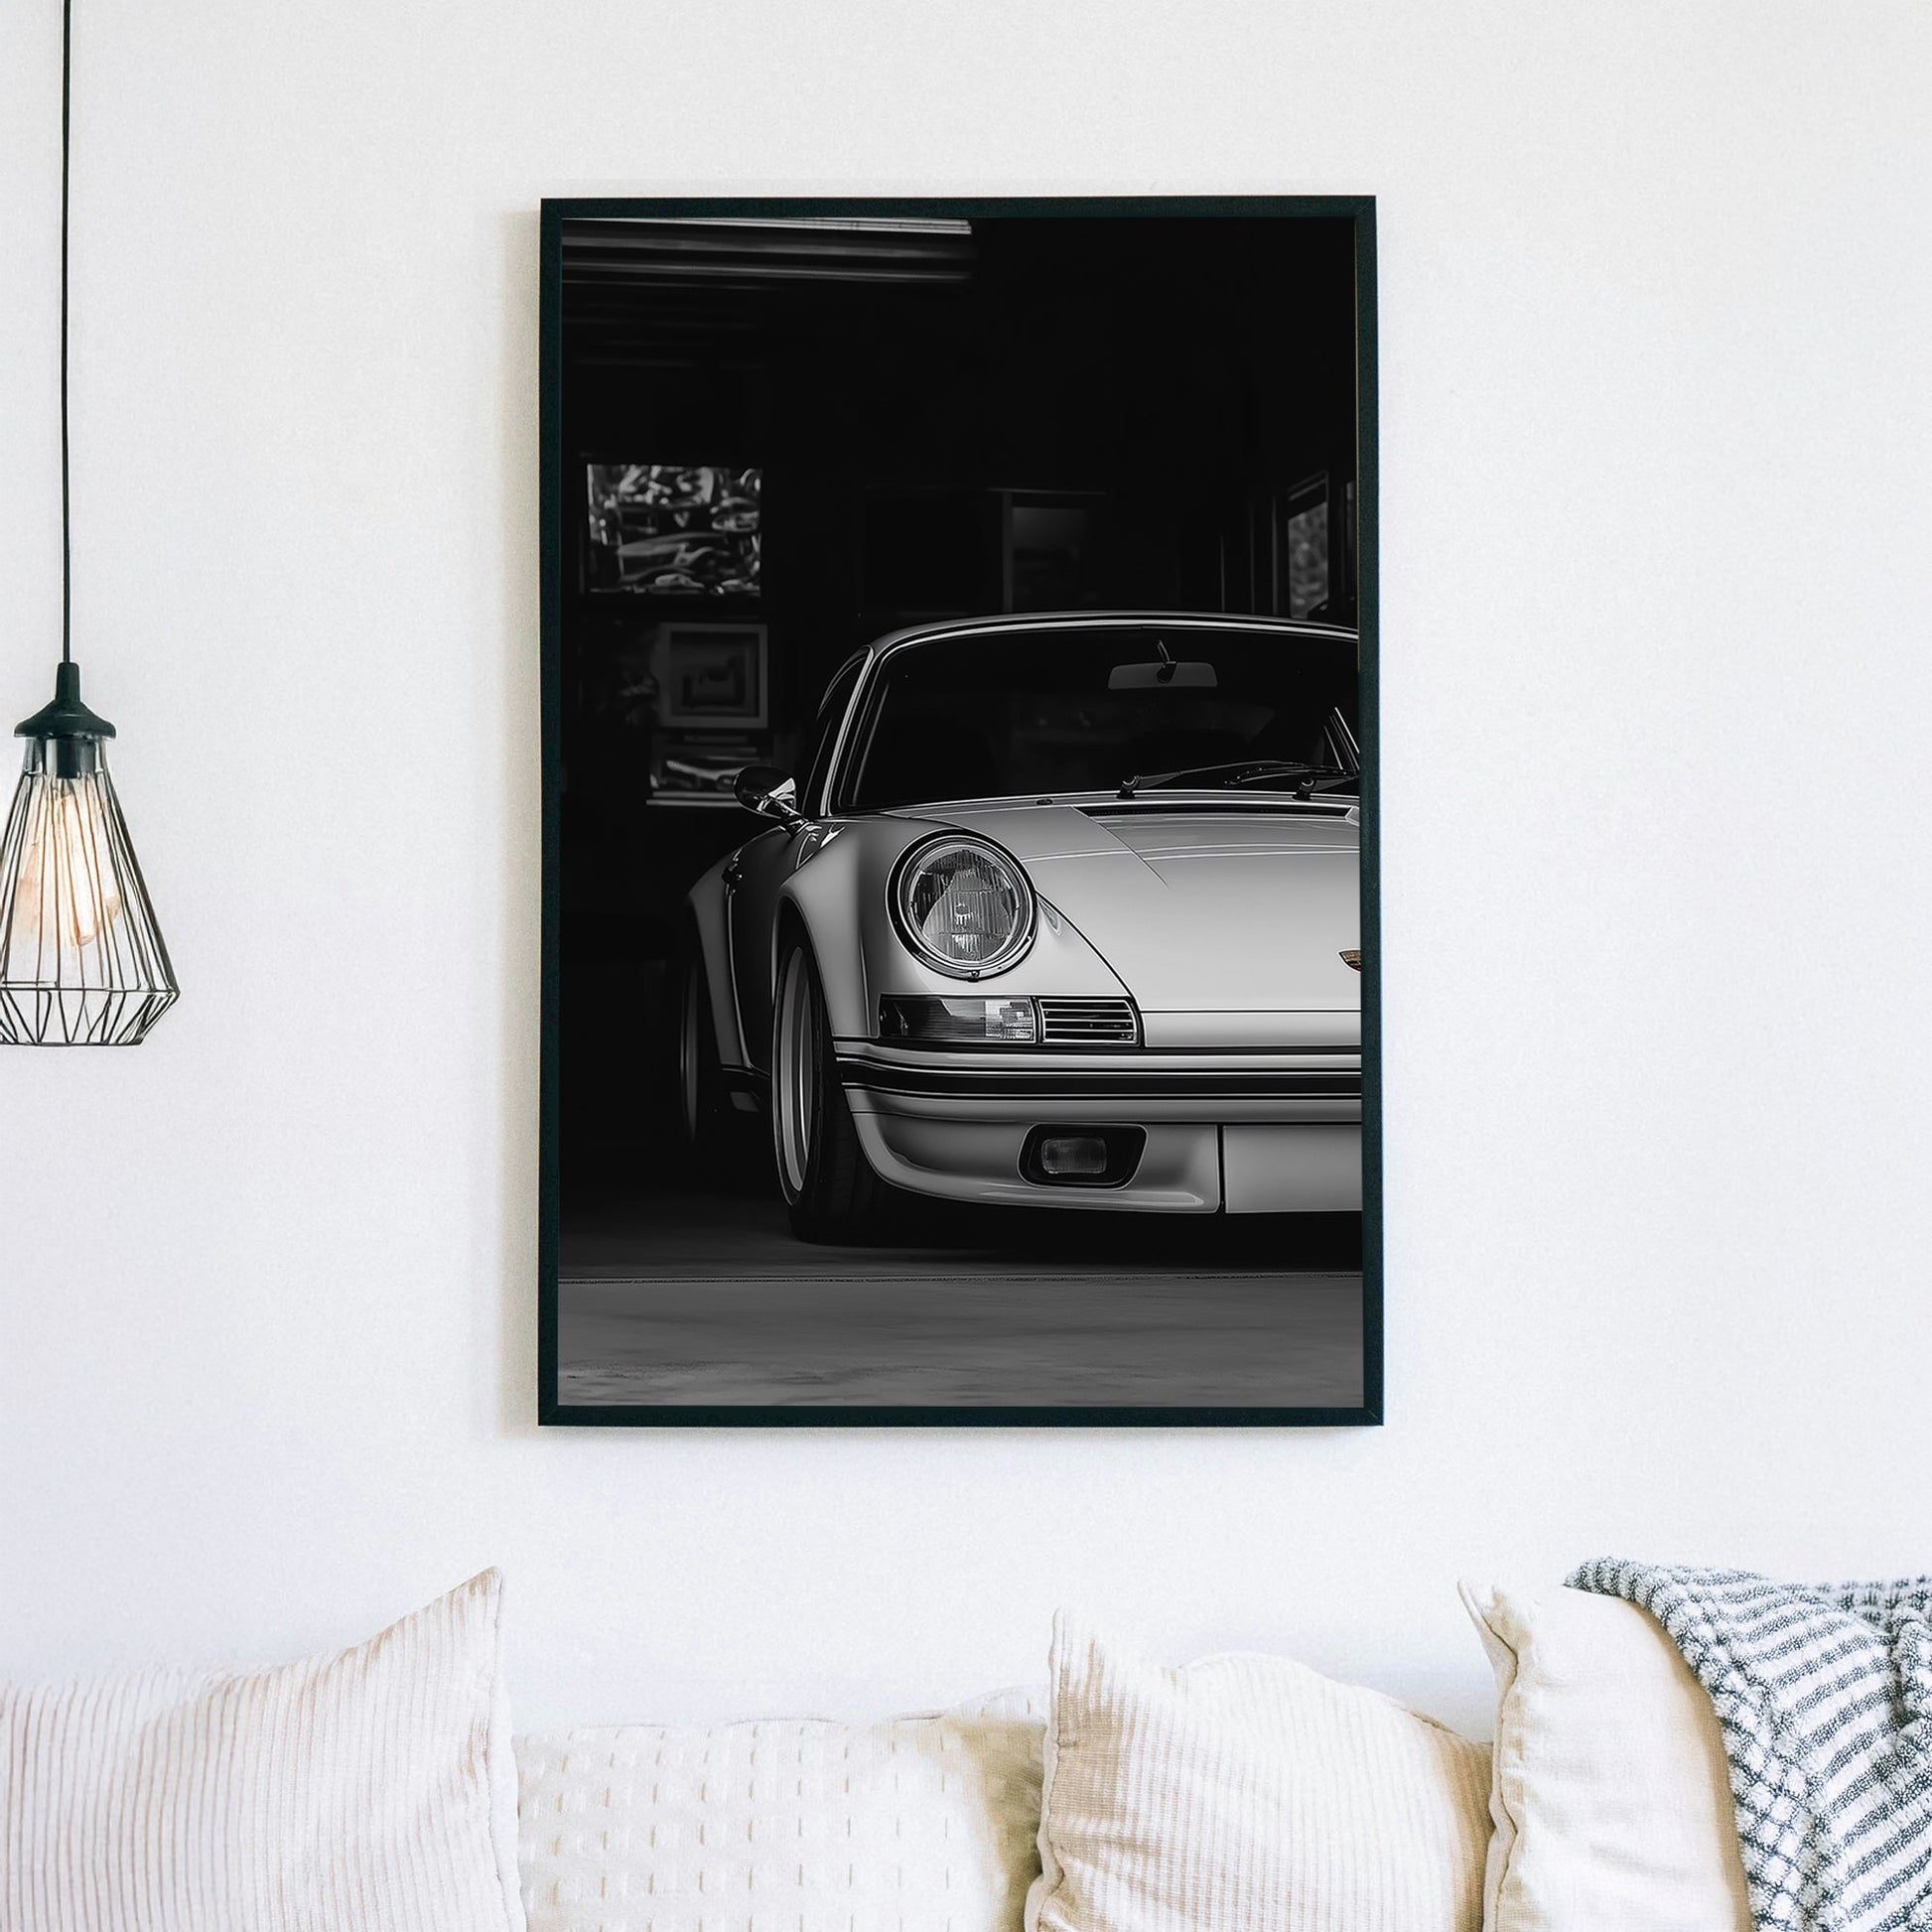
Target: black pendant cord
[(67, 507), (66, 718)]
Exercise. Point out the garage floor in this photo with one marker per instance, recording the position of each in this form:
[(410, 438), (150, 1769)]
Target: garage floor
[(673, 1290)]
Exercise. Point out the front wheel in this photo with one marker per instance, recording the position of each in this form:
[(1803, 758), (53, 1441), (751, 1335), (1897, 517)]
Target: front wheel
[(830, 1191)]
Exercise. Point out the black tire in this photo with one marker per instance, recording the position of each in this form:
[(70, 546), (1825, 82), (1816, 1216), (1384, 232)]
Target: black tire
[(829, 1188), (703, 1106)]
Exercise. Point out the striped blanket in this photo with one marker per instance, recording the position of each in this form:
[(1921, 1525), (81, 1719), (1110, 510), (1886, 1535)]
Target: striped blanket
[(1824, 1693)]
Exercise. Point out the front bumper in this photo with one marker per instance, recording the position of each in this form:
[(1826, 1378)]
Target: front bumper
[(1276, 1131)]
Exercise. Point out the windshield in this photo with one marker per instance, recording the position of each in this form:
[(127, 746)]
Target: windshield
[(1043, 712)]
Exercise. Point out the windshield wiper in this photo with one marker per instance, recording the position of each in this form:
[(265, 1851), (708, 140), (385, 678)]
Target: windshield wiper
[(1236, 771)]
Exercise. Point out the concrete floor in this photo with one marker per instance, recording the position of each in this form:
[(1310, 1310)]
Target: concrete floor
[(675, 1290)]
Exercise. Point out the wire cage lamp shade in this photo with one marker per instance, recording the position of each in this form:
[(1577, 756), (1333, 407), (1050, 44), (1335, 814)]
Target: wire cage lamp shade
[(82, 958)]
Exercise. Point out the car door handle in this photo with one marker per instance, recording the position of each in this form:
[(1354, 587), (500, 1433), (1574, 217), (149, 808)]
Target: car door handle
[(734, 871)]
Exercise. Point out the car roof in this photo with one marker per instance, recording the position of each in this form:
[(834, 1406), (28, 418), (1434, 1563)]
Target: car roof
[(1099, 621)]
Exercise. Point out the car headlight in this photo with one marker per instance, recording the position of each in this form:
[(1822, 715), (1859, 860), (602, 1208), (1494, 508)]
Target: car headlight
[(963, 907)]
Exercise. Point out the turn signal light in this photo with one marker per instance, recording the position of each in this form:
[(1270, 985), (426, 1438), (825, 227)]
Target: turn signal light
[(960, 1022)]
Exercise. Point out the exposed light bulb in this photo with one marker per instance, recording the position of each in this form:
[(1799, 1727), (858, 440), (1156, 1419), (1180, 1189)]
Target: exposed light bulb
[(67, 896)]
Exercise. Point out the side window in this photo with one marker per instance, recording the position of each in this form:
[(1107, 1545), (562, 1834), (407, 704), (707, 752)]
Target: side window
[(825, 731)]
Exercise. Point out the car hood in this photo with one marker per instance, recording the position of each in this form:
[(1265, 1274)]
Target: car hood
[(1212, 907)]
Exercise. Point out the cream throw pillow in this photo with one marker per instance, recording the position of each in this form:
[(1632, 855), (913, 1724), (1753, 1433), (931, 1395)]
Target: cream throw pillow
[(372, 1790), (1611, 1798), (1248, 1792), (795, 1825)]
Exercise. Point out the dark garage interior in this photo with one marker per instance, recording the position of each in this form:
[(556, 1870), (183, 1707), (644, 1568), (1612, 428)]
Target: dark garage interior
[(913, 418)]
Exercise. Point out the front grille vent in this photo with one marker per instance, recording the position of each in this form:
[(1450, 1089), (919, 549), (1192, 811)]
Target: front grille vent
[(1089, 1022)]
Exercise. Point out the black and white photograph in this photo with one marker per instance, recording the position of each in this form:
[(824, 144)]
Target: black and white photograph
[(959, 817)]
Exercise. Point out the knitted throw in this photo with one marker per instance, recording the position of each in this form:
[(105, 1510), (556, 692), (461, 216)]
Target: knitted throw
[(1824, 1693)]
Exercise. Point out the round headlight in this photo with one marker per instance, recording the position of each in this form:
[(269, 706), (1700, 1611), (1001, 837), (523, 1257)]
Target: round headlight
[(963, 907)]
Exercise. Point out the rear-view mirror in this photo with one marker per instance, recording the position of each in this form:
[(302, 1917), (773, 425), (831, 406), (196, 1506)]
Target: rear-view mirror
[(1178, 675)]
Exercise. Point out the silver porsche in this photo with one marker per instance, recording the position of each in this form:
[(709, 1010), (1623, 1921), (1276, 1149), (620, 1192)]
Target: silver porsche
[(1063, 911)]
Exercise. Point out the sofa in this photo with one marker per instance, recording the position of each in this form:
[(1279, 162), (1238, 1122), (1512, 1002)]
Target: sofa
[(383, 1787)]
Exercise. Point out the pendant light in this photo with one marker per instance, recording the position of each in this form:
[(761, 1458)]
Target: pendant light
[(81, 961)]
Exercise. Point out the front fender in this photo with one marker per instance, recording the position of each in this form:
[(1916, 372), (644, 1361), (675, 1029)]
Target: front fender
[(829, 895)]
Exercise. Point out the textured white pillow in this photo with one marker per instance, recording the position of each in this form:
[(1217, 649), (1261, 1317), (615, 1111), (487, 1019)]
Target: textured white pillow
[(1247, 1792), (372, 1790), (1610, 1797), (912, 1825)]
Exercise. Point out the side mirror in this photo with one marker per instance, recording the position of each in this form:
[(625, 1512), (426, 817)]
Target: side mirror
[(771, 793)]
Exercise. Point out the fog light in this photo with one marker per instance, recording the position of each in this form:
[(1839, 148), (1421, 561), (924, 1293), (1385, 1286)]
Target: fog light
[(1081, 1156), (1073, 1154), (962, 1023), (1076, 1154)]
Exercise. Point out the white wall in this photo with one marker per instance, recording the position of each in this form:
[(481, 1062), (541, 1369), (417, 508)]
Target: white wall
[(1657, 535)]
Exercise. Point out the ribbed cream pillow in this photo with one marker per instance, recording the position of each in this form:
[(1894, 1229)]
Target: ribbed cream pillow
[(1612, 1797), (796, 1825), (1247, 1791), (371, 1790)]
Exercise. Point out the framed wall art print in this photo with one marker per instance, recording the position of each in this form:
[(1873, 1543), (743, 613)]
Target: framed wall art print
[(959, 830)]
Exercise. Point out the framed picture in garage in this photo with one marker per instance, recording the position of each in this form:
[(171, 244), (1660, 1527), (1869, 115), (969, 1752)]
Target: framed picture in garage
[(960, 979), (713, 674)]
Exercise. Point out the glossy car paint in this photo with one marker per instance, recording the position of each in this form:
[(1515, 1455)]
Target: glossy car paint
[(1223, 916)]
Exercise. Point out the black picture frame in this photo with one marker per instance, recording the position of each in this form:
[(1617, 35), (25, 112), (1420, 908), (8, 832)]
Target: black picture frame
[(555, 568)]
